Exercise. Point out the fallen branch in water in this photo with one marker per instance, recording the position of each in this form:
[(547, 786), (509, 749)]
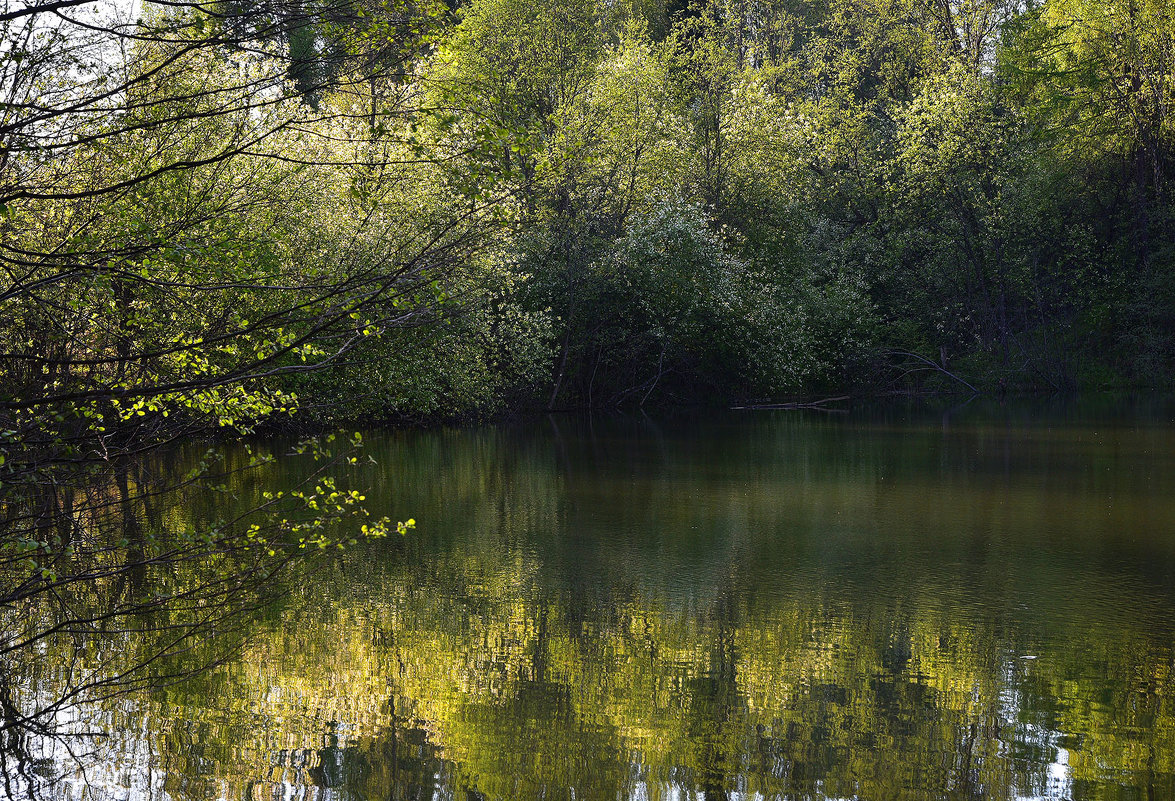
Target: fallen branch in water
[(818, 405)]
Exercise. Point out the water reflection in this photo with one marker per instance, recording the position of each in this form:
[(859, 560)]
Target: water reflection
[(759, 606)]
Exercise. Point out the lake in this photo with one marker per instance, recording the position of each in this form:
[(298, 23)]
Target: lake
[(903, 601)]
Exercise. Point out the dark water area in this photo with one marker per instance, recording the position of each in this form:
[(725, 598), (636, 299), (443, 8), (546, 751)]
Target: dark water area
[(899, 602)]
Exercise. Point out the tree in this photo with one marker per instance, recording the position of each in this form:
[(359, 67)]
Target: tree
[(179, 233), (179, 228), (1104, 71)]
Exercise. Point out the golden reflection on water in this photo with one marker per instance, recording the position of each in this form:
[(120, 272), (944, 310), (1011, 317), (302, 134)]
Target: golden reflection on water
[(768, 606)]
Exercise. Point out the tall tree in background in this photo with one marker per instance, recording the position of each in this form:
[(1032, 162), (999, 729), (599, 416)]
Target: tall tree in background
[(1097, 79), (1108, 71)]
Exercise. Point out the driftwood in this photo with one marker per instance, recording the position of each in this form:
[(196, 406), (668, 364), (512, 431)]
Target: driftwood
[(818, 405)]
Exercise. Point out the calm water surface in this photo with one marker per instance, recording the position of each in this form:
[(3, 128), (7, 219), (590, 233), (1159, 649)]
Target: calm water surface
[(897, 603)]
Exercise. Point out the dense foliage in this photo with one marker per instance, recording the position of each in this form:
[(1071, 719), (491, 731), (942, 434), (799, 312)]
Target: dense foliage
[(215, 213), (212, 215)]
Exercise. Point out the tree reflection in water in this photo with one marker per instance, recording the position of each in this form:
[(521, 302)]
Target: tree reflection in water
[(118, 582), (787, 608)]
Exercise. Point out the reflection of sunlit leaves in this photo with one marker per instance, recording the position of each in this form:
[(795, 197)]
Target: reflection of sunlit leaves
[(523, 640), (517, 698)]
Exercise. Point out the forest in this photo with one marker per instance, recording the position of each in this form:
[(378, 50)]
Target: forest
[(214, 214)]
